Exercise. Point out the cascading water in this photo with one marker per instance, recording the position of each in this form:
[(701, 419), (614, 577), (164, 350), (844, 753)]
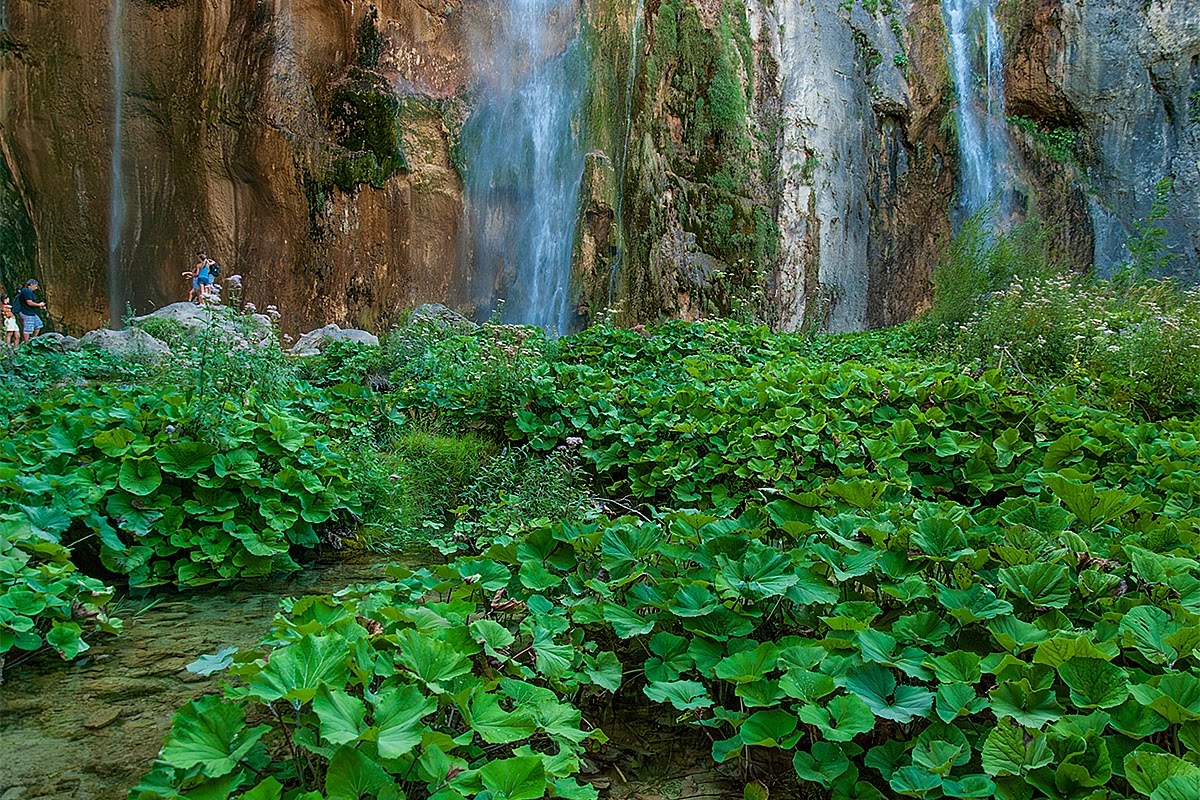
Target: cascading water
[(116, 202), (524, 157), (630, 77), (976, 52)]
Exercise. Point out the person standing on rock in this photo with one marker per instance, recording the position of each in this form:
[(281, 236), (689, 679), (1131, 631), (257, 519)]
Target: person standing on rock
[(12, 331), (194, 277), (27, 306), (203, 278)]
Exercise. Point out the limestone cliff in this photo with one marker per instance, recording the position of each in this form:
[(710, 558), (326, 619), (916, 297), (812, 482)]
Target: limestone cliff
[(306, 144), (1106, 101), (793, 160)]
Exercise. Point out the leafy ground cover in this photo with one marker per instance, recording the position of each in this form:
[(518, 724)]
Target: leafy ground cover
[(861, 572)]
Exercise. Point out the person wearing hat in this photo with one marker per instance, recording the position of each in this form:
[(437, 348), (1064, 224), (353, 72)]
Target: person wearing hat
[(27, 306)]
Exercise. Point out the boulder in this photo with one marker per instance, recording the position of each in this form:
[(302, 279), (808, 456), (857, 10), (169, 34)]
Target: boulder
[(440, 315), (237, 329), (57, 342), (315, 342), (131, 342)]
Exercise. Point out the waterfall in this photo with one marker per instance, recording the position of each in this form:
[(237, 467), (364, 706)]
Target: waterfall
[(524, 156), (630, 77), (116, 202), (976, 52)]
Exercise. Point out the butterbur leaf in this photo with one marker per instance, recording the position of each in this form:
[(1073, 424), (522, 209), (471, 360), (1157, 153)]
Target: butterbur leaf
[(761, 573), (268, 789), (604, 670), (398, 713), (1147, 627), (1178, 787), (185, 459), (938, 756), (1041, 584), (803, 684), (497, 726), (958, 700), (683, 695), (839, 720), (1012, 750), (139, 477), (692, 601), (351, 775), (973, 604), (518, 778), (823, 764), (914, 782), (969, 786), (877, 687), (210, 733), (769, 728), (342, 715), (1146, 770), (755, 790), (492, 635), (432, 660), (1025, 704), (296, 671), (956, 667), (941, 539), (626, 623), (749, 665), (671, 657), (1094, 683)]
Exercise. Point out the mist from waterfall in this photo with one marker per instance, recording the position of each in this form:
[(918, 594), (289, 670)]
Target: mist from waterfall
[(116, 202), (977, 64), (524, 157)]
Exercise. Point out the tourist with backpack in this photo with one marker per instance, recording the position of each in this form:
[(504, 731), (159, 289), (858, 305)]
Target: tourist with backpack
[(27, 310)]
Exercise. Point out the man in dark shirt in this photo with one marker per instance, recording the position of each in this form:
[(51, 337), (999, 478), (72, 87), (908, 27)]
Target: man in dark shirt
[(27, 306)]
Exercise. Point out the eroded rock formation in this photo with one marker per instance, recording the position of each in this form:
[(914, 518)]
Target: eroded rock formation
[(791, 159)]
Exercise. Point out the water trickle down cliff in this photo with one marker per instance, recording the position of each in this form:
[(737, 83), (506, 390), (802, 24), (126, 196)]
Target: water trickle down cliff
[(977, 67), (116, 205), (524, 156)]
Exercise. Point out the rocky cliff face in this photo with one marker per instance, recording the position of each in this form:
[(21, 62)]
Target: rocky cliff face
[(306, 144), (790, 159), (1107, 96)]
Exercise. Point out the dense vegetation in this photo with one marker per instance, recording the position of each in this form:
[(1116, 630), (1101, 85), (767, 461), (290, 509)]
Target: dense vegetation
[(952, 559)]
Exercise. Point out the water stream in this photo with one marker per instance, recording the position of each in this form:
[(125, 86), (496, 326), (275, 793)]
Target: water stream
[(116, 203), (89, 730), (524, 154), (630, 77), (976, 60)]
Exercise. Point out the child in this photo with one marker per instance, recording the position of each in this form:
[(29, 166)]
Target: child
[(12, 331)]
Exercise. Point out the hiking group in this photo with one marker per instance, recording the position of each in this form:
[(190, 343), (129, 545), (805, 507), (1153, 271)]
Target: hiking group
[(21, 319), (203, 274)]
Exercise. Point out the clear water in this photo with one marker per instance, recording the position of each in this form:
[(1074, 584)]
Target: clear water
[(523, 150), (977, 64), (116, 203)]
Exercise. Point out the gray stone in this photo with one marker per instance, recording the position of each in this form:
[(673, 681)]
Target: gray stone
[(238, 329), (58, 342), (129, 342), (315, 342), (440, 314)]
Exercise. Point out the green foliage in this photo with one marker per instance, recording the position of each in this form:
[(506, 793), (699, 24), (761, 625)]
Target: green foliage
[(1059, 142), (1149, 254), (44, 599), (168, 499), (1130, 340)]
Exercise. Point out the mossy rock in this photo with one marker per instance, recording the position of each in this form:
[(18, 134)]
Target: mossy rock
[(366, 116)]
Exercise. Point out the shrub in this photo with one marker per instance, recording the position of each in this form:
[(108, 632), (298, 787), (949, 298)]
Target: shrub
[(169, 498)]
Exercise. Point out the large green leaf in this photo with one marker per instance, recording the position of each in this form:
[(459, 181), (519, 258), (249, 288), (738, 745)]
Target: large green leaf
[(823, 764), (761, 573), (877, 687), (210, 733), (840, 719), (770, 728), (684, 695), (398, 714), (1147, 770), (1042, 584), (185, 459), (139, 477), (296, 671), (1030, 706), (518, 778), (1094, 683), (1010, 749), (497, 726), (431, 659), (941, 539), (749, 665), (1147, 628), (342, 715), (1091, 507), (351, 775), (973, 604)]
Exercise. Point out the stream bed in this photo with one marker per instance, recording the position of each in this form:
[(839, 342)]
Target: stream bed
[(89, 730)]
